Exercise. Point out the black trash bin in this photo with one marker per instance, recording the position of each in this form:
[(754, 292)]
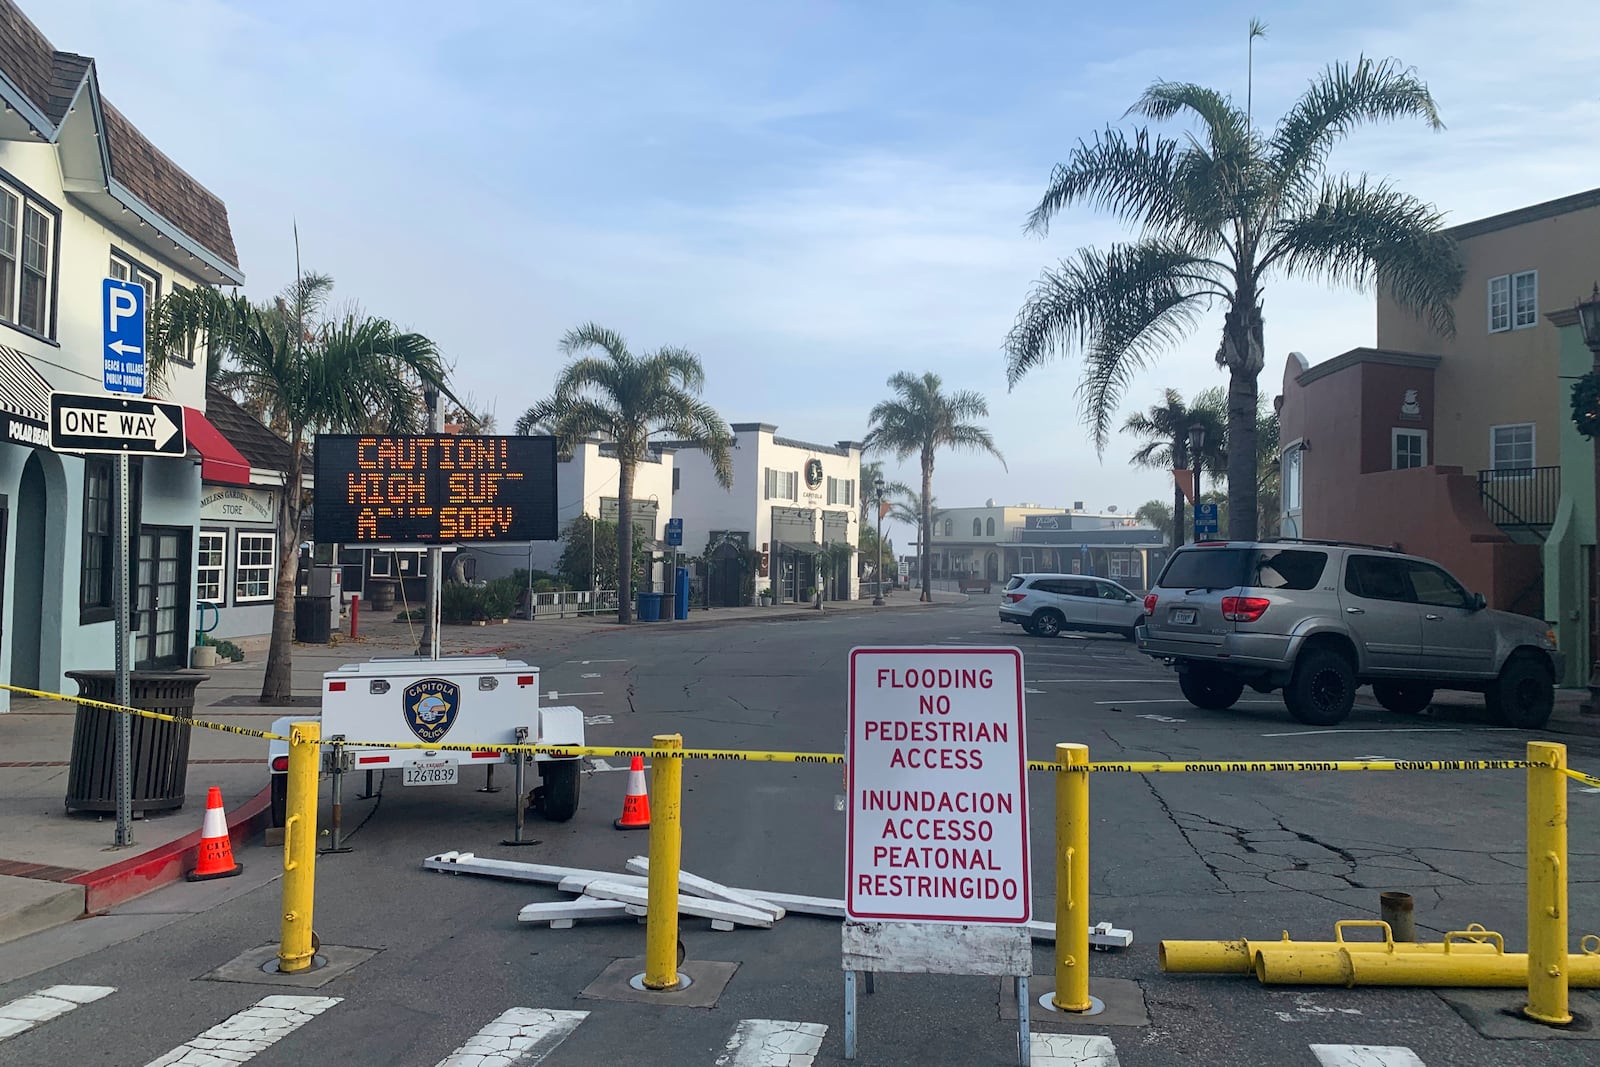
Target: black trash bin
[(313, 620), (160, 750)]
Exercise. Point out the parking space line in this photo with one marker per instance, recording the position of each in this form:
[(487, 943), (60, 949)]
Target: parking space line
[(518, 1036), (1182, 700), (772, 1043), (1366, 1056), (1072, 1050), (1377, 730)]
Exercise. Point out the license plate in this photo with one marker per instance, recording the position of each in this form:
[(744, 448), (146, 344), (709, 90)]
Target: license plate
[(1182, 617), (429, 772)]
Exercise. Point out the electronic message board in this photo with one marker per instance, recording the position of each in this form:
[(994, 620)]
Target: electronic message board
[(434, 489)]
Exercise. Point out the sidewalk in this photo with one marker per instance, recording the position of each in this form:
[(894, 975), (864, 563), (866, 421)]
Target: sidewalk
[(56, 867)]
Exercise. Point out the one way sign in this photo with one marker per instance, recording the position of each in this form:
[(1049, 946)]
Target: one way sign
[(81, 422)]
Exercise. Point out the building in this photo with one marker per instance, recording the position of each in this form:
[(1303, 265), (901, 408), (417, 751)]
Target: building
[(793, 503), (996, 541), (1461, 448), (83, 196)]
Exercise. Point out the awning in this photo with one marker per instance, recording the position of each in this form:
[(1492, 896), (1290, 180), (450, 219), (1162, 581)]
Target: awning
[(220, 462), (809, 548), (24, 401)]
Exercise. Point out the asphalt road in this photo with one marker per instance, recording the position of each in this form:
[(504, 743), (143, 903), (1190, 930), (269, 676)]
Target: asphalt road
[(1172, 856)]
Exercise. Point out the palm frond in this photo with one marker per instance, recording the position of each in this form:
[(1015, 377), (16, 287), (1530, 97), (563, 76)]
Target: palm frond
[(1227, 128), (1359, 229), (1133, 179), (591, 335)]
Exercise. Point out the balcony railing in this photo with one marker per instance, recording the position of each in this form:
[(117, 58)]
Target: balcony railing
[(1524, 497)]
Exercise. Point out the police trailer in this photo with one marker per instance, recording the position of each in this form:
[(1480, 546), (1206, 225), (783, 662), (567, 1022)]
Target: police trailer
[(476, 701)]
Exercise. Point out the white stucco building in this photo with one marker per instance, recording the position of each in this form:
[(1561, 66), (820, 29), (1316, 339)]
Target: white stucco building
[(789, 499), (83, 196)]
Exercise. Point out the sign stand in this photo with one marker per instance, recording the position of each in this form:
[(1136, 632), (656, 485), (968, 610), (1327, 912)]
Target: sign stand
[(937, 871), (119, 581)]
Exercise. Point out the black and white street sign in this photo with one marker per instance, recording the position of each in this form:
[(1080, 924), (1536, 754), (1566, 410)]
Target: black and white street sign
[(83, 422)]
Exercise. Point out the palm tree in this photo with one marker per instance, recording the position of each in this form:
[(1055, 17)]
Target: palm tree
[(920, 421), (607, 391), (1164, 431), (1217, 215), (302, 372), (1158, 514)]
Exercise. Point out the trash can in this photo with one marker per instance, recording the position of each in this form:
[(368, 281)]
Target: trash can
[(313, 619), (667, 612), (649, 607), (159, 753), (680, 605)]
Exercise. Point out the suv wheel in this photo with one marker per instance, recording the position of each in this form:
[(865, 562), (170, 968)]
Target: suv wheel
[(1048, 623), (1406, 698), (1323, 688), (1524, 694), (1029, 628), (1210, 689)]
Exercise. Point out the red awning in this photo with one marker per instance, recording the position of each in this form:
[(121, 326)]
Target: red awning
[(220, 462)]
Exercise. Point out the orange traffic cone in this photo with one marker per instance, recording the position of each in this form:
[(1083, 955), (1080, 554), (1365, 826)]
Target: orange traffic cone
[(216, 848), (636, 806)]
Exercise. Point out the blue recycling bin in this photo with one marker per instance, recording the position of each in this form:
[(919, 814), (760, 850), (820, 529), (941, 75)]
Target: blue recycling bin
[(649, 607), (680, 603)]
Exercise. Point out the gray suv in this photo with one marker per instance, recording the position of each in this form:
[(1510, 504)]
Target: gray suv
[(1319, 618)]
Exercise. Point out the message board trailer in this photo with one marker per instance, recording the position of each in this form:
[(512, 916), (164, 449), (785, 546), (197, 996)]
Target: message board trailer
[(936, 851)]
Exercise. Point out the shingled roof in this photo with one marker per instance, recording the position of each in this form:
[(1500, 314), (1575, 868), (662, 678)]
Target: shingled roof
[(263, 448), (52, 79)]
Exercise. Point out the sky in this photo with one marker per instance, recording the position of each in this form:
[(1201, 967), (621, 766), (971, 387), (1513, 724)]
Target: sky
[(811, 194)]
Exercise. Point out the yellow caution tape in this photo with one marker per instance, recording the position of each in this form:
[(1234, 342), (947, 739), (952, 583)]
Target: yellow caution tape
[(1586, 779), (1268, 766), (146, 713)]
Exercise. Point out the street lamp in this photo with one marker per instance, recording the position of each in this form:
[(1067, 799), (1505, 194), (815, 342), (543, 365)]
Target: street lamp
[(877, 599), (1589, 322), (1197, 441)]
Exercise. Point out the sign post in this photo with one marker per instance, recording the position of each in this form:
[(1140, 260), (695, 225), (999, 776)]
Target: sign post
[(938, 878), (675, 541)]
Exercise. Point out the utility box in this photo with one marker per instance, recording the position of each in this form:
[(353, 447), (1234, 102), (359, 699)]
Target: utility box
[(326, 580)]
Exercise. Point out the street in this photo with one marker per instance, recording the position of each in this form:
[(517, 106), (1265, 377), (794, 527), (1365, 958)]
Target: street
[(1205, 856)]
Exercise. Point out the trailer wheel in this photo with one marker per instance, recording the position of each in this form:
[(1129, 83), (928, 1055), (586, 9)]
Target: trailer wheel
[(280, 799), (559, 791)]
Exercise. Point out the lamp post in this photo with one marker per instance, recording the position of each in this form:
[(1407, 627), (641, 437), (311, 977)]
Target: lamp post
[(1197, 441), (877, 598), (1589, 321)]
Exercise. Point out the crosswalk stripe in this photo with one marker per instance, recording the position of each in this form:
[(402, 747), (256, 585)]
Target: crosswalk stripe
[(772, 1043), (1072, 1050), (240, 1037), (1366, 1056), (518, 1036), (24, 1013)]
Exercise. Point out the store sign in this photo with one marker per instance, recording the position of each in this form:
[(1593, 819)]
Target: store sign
[(434, 489), (235, 504), (938, 806), (25, 431)]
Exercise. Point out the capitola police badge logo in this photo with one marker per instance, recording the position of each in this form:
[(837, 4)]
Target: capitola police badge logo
[(430, 707)]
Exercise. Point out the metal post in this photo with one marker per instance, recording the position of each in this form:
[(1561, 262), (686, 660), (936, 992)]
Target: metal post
[(119, 578), (877, 599), (488, 781), (849, 1015), (336, 799), (1547, 884), (430, 633), (520, 774), (1024, 1042), (666, 841), (1072, 879), (1398, 910), (295, 953)]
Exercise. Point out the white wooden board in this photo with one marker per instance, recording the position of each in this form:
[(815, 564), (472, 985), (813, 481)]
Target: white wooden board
[(937, 948), (705, 887), (706, 909)]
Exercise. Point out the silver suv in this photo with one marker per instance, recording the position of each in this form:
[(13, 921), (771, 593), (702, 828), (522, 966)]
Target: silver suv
[(1319, 618), (1046, 604)]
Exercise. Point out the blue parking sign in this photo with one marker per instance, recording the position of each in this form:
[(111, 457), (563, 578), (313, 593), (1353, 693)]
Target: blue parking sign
[(674, 532), (123, 357), (1205, 521)]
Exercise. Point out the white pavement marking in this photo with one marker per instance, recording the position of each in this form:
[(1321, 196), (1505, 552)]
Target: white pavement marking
[(24, 1013), (598, 720), (773, 1043), (240, 1037), (586, 662), (1071, 1050), (518, 1036), (1366, 1056), (1181, 700), (551, 694), (1035, 692), (1374, 730), (1160, 718), (1105, 681), (589, 674)]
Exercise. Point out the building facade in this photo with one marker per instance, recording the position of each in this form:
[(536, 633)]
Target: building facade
[(793, 503), (996, 541), (85, 196)]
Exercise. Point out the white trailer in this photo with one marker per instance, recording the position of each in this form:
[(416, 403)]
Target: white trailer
[(480, 701)]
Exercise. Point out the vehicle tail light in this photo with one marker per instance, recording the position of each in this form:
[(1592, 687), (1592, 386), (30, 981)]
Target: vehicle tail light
[(280, 763), (335, 687), (1244, 608), (1015, 597), (1150, 603)]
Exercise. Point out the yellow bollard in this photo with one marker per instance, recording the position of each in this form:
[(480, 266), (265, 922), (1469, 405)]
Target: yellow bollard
[(1547, 884), (666, 843), (300, 848), (1072, 879)]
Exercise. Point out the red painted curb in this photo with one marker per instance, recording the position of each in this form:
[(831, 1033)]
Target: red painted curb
[(109, 886)]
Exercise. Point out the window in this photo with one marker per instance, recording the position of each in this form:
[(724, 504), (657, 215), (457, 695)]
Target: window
[(27, 259), (977, 527), (1409, 448), (210, 562), (94, 581), (675, 479), (1434, 587), (1290, 568), (949, 528), (252, 572), (1511, 447), (841, 491), (1111, 590), (129, 269), (1291, 475), (988, 528), (782, 485), (1514, 301), (1377, 578)]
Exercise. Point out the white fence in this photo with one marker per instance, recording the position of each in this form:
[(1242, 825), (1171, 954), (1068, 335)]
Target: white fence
[(570, 604)]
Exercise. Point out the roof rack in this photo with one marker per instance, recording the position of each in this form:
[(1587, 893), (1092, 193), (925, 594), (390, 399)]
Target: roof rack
[(1334, 544)]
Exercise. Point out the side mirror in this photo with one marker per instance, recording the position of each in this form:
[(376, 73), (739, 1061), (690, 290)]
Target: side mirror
[(1478, 602), (1129, 598)]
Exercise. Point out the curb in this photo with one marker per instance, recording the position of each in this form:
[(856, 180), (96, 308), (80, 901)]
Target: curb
[(109, 886)]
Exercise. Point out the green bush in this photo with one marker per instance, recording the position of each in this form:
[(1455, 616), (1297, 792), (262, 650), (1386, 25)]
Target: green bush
[(229, 651)]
